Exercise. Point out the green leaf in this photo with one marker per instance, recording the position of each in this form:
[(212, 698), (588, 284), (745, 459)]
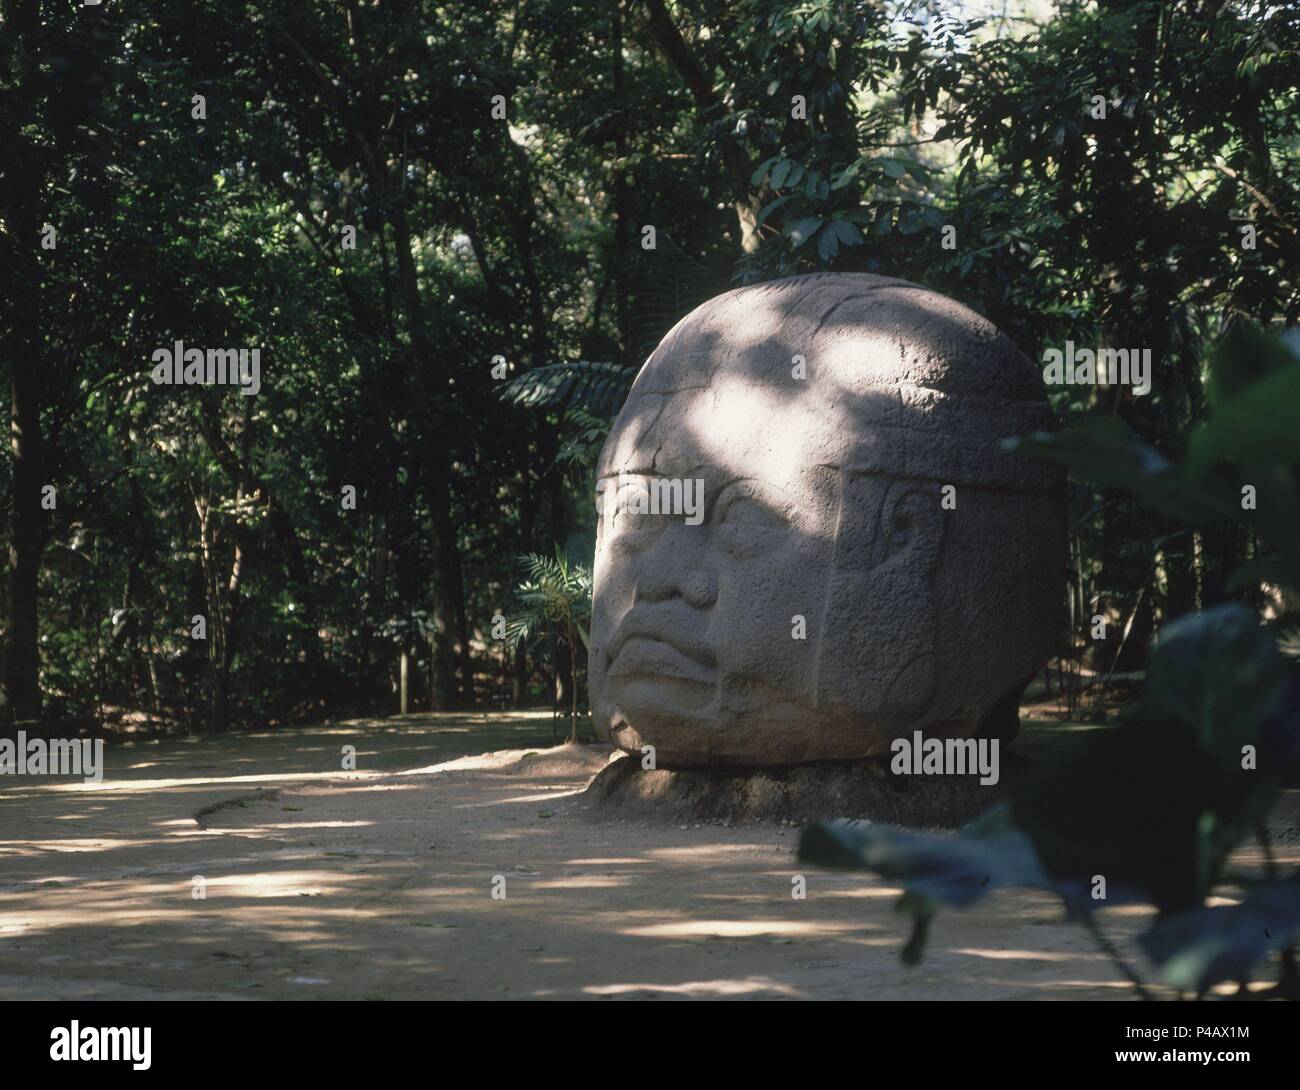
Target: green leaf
[(1125, 804), (597, 387), (760, 172), (848, 234), (846, 175), (1197, 949), (948, 868), (1220, 675), (1221, 678), (772, 206), (1157, 804), (1260, 424), (1102, 451), (802, 230), (827, 243)]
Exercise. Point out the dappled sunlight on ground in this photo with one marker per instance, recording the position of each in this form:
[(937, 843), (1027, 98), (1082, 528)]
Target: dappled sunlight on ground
[(733, 929), (705, 989), (456, 862), (1025, 955)]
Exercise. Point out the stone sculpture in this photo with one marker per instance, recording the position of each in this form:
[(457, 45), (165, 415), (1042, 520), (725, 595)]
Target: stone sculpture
[(863, 558)]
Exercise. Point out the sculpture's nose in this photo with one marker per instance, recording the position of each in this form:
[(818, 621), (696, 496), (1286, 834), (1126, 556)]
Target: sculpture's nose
[(659, 582), (699, 588), (670, 571)]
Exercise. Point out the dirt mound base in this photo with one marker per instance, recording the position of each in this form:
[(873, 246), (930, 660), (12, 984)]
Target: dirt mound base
[(566, 760), (625, 791)]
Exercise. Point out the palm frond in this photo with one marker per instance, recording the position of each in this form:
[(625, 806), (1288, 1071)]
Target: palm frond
[(598, 387), (554, 589)]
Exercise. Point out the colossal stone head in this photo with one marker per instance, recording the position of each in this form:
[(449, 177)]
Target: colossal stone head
[(832, 592)]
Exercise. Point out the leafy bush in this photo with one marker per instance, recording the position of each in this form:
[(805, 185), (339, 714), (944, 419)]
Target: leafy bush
[(1156, 806)]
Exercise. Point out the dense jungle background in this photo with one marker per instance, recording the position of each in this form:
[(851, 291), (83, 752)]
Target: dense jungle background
[(456, 230)]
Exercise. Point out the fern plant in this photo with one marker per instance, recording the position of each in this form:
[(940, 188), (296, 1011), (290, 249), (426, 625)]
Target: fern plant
[(599, 387), (555, 591)]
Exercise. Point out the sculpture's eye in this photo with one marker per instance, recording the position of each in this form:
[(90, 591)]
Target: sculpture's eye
[(631, 523), (746, 525)]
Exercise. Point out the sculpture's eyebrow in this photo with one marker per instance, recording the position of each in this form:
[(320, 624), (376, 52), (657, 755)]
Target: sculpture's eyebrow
[(767, 493)]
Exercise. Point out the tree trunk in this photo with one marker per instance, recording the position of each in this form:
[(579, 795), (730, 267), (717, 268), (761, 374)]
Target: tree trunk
[(1180, 578), (223, 615), (21, 694), (622, 211), (573, 689), (448, 595), (404, 703), (658, 24), (1222, 550), (387, 179), (20, 267), (519, 678), (221, 723)]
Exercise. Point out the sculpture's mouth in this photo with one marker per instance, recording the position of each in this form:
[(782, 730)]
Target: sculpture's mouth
[(651, 645), (644, 656)]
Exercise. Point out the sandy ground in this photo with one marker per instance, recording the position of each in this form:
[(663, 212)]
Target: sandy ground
[(378, 884)]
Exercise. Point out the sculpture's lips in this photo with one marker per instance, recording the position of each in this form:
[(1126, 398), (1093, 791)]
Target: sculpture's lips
[(645, 652)]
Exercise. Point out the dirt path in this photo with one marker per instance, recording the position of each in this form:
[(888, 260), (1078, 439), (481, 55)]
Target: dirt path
[(378, 884)]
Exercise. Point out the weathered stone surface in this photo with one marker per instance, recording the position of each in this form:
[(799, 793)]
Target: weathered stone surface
[(822, 500)]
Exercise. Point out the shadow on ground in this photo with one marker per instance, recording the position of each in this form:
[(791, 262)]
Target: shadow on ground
[(379, 883)]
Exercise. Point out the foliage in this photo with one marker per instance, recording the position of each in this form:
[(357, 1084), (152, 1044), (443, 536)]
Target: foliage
[(477, 236), (597, 388), (556, 591), (1156, 805), (1247, 449)]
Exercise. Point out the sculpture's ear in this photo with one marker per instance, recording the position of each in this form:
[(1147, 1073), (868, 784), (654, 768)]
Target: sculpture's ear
[(876, 656), (910, 529)]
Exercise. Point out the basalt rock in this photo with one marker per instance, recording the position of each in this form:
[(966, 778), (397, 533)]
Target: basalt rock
[(865, 559)]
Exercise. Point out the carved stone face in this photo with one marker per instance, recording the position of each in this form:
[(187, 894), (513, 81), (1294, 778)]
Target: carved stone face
[(803, 616)]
